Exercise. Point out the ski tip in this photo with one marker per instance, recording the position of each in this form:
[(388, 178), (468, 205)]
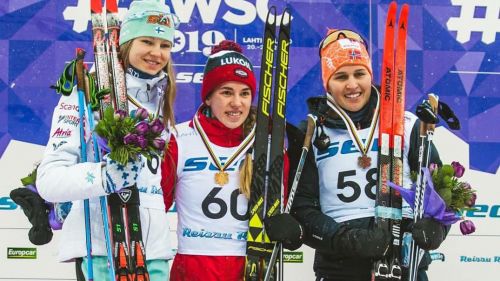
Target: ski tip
[(393, 6), (391, 15), (271, 15), (403, 14), (286, 18)]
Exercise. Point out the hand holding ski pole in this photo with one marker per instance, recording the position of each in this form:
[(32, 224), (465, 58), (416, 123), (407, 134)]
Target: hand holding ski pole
[(428, 234), (284, 229), (292, 240), (117, 176)]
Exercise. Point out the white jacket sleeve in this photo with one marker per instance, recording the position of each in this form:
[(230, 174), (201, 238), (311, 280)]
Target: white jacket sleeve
[(60, 176)]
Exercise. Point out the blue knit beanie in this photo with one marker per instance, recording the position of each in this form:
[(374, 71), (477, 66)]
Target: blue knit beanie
[(148, 18)]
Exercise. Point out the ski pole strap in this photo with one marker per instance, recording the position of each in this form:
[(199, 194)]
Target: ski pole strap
[(64, 85), (95, 96), (448, 115)]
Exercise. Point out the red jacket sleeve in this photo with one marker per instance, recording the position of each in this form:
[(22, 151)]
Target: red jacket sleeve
[(169, 173)]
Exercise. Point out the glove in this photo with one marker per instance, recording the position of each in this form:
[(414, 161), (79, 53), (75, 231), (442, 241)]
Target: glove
[(428, 234), (117, 176), (285, 229), (36, 211), (371, 243)]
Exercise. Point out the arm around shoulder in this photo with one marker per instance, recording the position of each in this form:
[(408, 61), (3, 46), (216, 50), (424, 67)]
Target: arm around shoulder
[(169, 172)]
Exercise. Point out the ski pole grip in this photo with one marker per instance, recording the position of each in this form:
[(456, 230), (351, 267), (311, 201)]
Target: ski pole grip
[(434, 102), (80, 55), (311, 126)]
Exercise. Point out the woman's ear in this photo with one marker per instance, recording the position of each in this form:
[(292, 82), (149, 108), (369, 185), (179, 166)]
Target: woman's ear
[(207, 99)]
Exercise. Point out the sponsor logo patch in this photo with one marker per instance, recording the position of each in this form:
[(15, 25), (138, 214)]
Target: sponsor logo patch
[(293, 257), (69, 119), (21, 253), (240, 73), (159, 19), (61, 133)]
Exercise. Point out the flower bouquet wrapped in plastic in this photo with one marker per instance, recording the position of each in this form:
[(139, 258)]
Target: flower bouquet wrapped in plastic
[(446, 197), (125, 137)]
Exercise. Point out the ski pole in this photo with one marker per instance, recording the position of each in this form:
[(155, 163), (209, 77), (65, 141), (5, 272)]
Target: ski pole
[(80, 55), (311, 128), (102, 199), (428, 116)]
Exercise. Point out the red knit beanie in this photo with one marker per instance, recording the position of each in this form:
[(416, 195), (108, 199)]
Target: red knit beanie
[(227, 63)]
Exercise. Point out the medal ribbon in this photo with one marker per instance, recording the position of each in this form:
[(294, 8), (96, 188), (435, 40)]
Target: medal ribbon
[(353, 132), (244, 145)]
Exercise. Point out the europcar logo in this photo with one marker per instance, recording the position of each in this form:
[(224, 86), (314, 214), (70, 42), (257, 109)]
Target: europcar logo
[(293, 257), (21, 253)]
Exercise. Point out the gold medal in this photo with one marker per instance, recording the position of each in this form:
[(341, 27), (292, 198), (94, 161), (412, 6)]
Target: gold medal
[(221, 178), (364, 161)]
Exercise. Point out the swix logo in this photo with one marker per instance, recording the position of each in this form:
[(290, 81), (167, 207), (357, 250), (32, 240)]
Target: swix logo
[(201, 163), (240, 12), (346, 147), (159, 19), (61, 133)]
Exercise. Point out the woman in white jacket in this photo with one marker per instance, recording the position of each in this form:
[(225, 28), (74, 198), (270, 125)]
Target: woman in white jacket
[(145, 46)]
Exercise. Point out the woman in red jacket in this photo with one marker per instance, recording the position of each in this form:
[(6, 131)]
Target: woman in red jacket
[(204, 171)]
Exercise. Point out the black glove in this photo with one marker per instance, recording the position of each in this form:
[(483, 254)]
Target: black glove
[(285, 229), (37, 212), (428, 234), (371, 243)]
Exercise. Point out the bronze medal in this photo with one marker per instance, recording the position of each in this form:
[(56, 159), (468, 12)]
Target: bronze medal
[(363, 145), (221, 178), (364, 161)]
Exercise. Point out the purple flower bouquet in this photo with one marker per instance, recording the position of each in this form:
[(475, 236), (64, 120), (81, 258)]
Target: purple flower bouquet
[(125, 137)]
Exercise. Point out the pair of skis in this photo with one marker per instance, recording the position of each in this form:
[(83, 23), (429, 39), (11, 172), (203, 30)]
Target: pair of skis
[(266, 186), (388, 204), (125, 249)]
